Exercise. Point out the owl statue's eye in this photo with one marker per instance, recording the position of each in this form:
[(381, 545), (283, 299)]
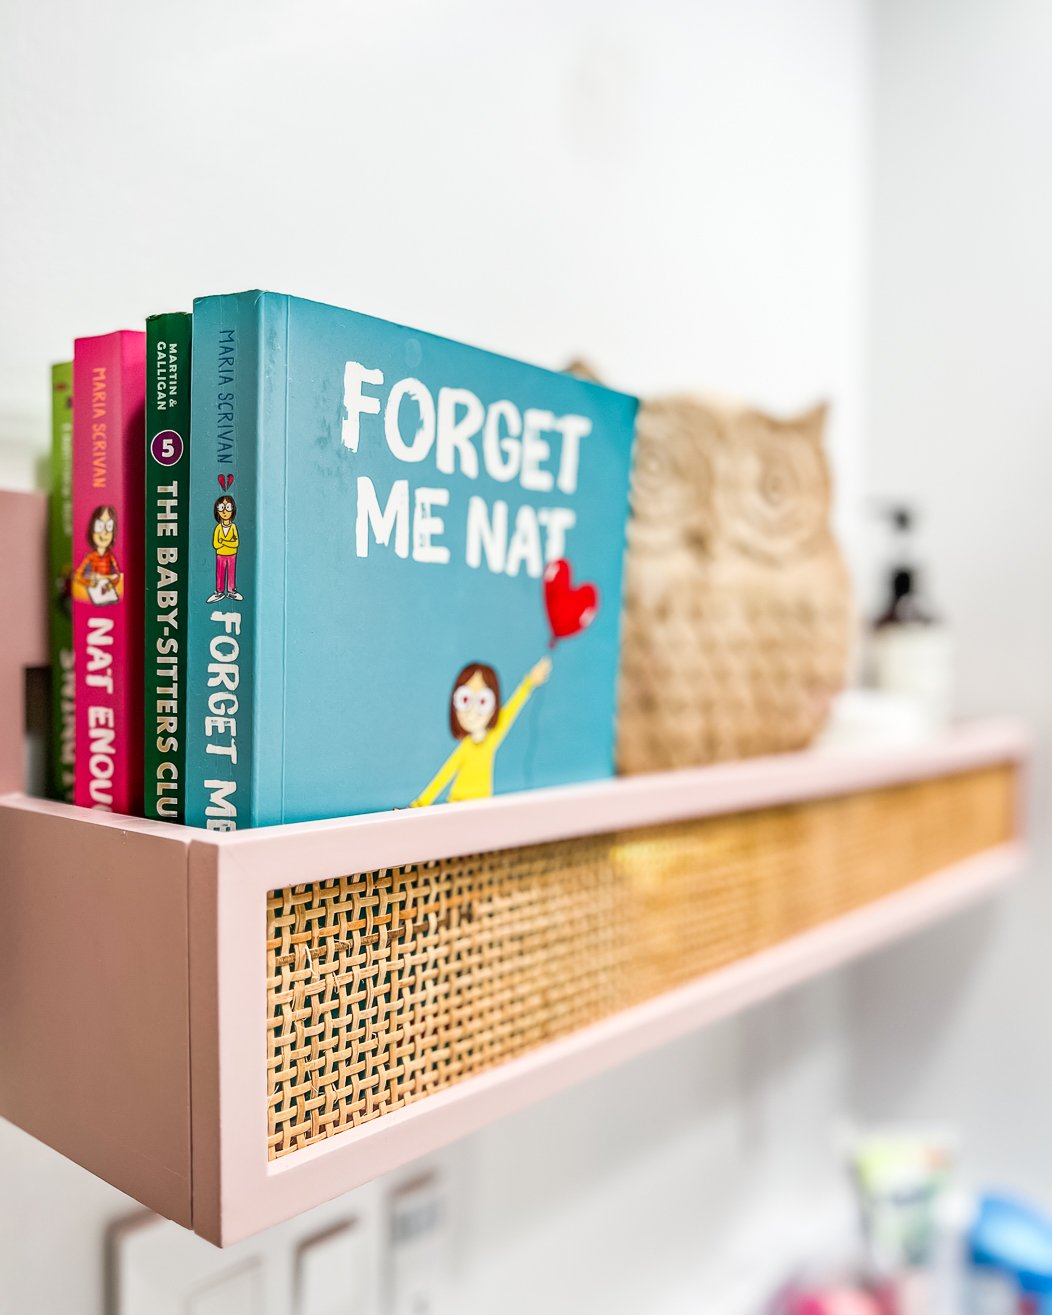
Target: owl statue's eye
[(672, 477), (776, 508)]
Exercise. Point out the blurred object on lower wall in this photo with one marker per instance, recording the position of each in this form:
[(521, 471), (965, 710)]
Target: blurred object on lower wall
[(836, 1300), (1010, 1258), (738, 614), (902, 1178)]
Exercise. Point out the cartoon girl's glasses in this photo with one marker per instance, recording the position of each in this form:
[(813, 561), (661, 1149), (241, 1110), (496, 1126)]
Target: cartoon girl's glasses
[(482, 700)]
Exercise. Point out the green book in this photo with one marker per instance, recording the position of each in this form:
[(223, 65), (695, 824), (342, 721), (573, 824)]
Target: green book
[(168, 346), (60, 552)]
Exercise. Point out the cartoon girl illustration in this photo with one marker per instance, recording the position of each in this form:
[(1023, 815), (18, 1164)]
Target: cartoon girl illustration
[(225, 542), (478, 721), (98, 579)]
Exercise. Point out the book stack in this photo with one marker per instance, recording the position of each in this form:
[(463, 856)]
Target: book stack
[(307, 563)]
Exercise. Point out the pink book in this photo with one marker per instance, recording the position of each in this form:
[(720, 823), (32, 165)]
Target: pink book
[(109, 395)]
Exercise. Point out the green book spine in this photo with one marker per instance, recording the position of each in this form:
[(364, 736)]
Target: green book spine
[(168, 346), (60, 551)]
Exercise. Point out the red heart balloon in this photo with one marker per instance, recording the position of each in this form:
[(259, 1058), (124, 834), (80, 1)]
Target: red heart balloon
[(569, 609)]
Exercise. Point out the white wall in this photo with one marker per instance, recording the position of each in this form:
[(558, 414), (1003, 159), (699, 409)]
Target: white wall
[(956, 1023), (677, 191)]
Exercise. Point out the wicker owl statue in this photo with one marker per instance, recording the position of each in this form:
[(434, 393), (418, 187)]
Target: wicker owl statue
[(737, 603)]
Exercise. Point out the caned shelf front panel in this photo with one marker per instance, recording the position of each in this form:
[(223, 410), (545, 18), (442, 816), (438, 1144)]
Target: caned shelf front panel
[(386, 987)]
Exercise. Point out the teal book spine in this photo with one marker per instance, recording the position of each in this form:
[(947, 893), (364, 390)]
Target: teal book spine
[(60, 616), (235, 610), (168, 357)]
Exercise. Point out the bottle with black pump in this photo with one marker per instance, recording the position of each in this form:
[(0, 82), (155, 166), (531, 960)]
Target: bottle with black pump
[(910, 645)]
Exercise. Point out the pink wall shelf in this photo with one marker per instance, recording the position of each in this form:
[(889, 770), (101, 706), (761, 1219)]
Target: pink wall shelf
[(133, 954)]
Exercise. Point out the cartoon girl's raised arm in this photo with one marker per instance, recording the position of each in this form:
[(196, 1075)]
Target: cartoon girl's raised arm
[(536, 675), (441, 778)]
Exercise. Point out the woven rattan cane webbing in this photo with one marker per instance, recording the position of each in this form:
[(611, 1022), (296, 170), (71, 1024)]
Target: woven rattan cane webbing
[(387, 986)]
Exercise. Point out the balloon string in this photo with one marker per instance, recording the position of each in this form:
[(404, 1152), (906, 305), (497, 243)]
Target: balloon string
[(532, 735)]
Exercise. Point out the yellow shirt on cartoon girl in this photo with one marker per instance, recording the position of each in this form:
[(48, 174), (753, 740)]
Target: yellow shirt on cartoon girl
[(481, 723), (224, 539)]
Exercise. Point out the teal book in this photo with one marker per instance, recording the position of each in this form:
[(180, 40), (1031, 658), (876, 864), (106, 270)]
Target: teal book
[(60, 615), (168, 350), (405, 567)]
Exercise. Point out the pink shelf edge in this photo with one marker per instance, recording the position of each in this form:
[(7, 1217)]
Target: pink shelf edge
[(262, 1193)]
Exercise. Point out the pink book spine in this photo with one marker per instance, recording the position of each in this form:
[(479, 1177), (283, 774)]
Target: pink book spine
[(109, 394)]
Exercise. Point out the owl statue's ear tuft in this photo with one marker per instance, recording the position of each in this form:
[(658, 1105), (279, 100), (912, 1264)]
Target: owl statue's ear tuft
[(582, 369), (812, 424)]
